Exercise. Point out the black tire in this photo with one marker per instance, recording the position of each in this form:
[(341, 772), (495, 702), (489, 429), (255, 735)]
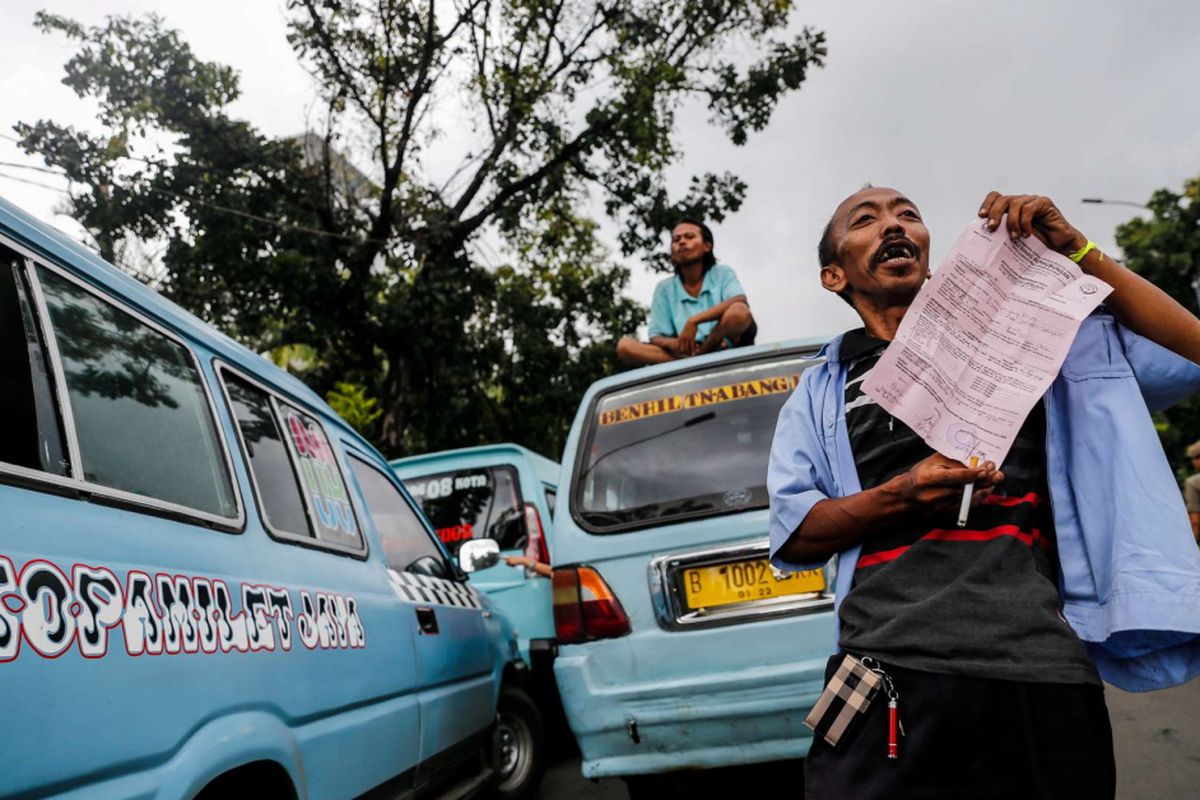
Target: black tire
[(520, 747), (649, 787)]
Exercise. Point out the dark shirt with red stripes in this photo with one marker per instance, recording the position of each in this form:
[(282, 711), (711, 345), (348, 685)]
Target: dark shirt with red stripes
[(928, 595)]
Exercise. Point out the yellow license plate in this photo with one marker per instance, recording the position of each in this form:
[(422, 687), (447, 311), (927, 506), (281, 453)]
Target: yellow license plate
[(745, 582)]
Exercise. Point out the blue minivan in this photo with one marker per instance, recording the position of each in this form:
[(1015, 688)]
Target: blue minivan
[(211, 586), (504, 493), (679, 646)]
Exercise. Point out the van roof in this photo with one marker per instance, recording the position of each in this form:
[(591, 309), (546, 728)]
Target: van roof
[(715, 359), (482, 455), (55, 246)]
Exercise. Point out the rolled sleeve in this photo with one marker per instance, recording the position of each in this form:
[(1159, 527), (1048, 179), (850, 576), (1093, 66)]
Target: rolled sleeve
[(662, 322), (796, 474), (1164, 377), (730, 285)]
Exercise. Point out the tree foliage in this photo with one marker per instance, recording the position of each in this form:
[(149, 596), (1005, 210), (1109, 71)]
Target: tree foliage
[(448, 130), (1165, 249)]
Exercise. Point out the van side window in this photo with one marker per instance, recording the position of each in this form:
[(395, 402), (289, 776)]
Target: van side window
[(320, 478), (507, 525), (406, 544), (33, 435), (141, 414), (270, 467), (551, 495)]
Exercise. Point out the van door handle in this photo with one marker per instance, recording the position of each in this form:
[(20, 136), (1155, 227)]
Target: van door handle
[(428, 621)]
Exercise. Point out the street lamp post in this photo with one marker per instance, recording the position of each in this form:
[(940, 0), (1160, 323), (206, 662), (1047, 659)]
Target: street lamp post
[(1102, 201)]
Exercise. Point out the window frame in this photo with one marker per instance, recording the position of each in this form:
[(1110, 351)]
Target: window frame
[(274, 396), (76, 485), (353, 452)]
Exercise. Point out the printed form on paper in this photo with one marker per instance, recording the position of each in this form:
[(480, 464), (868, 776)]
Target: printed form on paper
[(982, 342)]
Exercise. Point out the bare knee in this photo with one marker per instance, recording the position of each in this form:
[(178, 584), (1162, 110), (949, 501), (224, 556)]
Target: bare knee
[(628, 350), (623, 347), (737, 318)]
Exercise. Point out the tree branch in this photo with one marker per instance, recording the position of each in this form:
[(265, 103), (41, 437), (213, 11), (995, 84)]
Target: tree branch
[(330, 49)]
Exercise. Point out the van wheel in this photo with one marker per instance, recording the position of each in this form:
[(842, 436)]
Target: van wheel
[(650, 787), (520, 746)]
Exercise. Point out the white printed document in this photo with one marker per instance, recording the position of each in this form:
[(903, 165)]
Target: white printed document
[(982, 342)]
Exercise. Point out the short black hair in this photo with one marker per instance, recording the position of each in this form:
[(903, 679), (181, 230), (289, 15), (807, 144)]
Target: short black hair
[(706, 234), (827, 254), (827, 247)]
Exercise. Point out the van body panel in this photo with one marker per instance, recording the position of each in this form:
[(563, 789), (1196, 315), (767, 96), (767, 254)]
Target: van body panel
[(729, 690)]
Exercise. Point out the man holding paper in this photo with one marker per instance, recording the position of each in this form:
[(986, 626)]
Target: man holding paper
[(1075, 563)]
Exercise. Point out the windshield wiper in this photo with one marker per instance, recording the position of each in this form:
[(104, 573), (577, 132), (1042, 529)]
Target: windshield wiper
[(696, 420)]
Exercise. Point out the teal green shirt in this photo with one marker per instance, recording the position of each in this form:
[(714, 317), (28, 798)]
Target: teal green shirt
[(672, 306)]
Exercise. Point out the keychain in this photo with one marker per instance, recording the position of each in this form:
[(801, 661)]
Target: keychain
[(893, 746), (895, 727)]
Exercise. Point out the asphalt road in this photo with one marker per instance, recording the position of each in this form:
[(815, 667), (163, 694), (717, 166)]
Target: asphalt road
[(1156, 735)]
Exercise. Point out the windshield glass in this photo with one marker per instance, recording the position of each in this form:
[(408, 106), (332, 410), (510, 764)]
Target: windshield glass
[(683, 447), (472, 504)]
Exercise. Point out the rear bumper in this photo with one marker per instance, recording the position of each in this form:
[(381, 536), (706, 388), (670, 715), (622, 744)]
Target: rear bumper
[(713, 720)]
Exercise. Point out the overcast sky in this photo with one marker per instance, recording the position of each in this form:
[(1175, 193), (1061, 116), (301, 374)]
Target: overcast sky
[(942, 100)]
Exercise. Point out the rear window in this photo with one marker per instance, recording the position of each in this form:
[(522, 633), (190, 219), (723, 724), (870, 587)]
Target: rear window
[(483, 503), (682, 447)]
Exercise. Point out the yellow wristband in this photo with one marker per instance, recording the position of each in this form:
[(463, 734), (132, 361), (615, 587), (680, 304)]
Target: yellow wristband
[(1078, 255)]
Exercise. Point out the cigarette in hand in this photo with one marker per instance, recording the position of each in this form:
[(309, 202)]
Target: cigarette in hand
[(964, 508)]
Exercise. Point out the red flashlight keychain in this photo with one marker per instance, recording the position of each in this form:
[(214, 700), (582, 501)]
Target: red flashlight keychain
[(895, 729)]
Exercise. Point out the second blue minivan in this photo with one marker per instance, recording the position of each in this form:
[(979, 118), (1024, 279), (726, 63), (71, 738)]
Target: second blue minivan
[(679, 645)]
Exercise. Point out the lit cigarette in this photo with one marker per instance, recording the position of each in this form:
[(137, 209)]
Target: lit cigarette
[(964, 508)]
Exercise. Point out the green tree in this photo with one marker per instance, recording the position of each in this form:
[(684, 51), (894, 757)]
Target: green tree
[(379, 272), (1165, 248)]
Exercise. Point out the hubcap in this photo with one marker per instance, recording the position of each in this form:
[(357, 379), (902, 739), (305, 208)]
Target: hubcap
[(516, 750)]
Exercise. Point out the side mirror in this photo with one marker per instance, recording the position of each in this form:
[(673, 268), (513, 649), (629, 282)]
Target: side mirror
[(478, 554)]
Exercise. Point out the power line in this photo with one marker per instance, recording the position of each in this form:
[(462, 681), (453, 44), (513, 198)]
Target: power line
[(33, 167), (256, 217), (216, 207), (205, 203), (58, 189)]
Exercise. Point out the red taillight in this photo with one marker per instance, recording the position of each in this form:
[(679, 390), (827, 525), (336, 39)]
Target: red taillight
[(536, 546), (585, 609)]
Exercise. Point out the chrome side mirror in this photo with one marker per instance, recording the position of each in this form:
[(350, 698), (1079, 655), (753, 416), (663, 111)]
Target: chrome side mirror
[(478, 554)]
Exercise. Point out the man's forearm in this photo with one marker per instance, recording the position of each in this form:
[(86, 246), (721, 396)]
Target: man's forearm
[(668, 343), (1144, 308), (714, 313), (838, 523)]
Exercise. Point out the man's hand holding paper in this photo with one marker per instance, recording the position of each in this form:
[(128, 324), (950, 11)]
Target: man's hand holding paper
[(988, 333)]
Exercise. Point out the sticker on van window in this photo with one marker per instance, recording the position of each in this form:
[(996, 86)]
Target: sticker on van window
[(89, 607), (456, 533), (700, 398), (321, 478)]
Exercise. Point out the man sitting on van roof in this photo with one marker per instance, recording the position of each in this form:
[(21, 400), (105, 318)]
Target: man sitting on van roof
[(701, 309), (997, 693)]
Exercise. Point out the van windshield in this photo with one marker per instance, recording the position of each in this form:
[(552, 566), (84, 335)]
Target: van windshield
[(683, 447), (472, 504)]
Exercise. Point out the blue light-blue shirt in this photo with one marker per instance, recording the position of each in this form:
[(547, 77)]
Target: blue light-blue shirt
[(1130, 570), (672, 306)]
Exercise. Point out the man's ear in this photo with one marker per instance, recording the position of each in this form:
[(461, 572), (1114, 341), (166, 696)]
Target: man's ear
[(833, 278)]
